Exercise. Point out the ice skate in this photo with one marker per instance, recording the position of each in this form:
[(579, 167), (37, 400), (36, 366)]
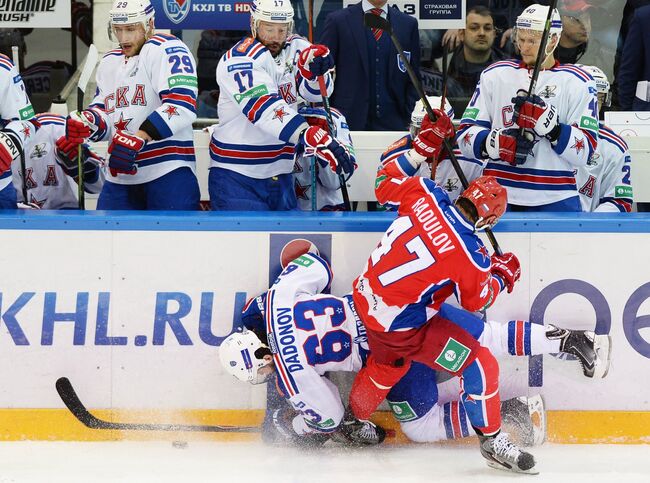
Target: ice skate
[(525, 419), (592, 351), (356, 432), (503, 454)]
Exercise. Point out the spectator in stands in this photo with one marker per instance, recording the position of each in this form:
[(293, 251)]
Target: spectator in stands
[(634, 70), (213, 44), (476, 52), (372, 88), (576, 29)]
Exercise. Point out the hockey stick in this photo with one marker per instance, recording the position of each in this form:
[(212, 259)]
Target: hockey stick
[(89, 66), (540, 53), (23, 166), (79, 411), (330, 125), (376, 22)]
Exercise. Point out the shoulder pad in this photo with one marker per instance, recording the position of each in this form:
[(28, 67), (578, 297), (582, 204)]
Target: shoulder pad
[(5, 62), (607, 134), (248, 47), (574, 71), (159, 39), (402, 144)]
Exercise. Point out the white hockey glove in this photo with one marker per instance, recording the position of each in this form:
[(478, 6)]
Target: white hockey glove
[(10, 149)]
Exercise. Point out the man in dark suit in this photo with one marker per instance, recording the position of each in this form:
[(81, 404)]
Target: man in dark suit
[(372, 87), (634, 71)]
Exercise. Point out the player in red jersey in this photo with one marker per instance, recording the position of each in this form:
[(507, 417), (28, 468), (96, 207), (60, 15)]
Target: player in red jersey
[(430, 252)]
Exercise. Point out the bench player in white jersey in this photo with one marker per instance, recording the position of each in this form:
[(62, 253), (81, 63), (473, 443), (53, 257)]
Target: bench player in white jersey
[(144, 106), (445, 175), (51, 168), (14, 105), (260, 80), (303, 346), (328, 183), (605, 183), (560, 121)]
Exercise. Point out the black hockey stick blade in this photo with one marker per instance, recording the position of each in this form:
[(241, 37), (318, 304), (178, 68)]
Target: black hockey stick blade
[(71, 400), (373, 21)]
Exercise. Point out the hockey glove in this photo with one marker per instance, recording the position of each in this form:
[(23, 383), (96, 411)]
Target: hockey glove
[(431, 137), (123, 151), (67, 153), (315, 60), (81, 125), (507, 268), (315, 117), (328, 151), (506, 145), (10, 149), (531, 112)]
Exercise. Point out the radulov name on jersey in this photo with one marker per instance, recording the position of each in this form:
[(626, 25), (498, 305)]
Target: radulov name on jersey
[(431, 225), (287, 340)]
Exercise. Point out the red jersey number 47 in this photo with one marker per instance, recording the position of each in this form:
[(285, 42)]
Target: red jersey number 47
[(415, 246)]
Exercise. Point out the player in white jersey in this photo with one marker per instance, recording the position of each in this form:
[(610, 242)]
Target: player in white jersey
[(559, 118), (604, 184), (260, 79), (303, 335), (14, 105), (328, 183), (145, 105), (445, 175), (51, 168)]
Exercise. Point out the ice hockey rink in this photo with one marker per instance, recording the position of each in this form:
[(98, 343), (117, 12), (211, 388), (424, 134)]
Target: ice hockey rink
[(244, 462)]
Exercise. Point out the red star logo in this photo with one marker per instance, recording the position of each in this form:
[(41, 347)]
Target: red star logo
[(301, 190), (36, 202), (483, 252), (467, 138), (122, 123), (171, 111), (279, 113), (26, 131), (578, 145)]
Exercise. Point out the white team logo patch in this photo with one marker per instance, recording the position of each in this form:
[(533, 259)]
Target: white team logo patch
[(400, 64), (176, 10)]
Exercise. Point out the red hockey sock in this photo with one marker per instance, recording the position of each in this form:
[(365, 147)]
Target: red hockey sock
[(371, 386)]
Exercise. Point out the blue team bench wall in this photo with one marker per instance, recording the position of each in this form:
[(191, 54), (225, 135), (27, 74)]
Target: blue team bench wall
[(302, 221)]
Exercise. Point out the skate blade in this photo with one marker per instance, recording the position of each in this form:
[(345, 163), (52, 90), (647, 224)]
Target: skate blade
[(498, 466), (537, 411), (603, 347)]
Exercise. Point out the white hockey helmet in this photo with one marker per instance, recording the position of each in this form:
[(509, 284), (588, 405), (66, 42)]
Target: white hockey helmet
[(534, 18), (273, 11), (418, 113), (602, 82), (237, 356), (126, 12)]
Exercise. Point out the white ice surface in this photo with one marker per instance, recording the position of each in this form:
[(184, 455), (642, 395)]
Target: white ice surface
[(160, 462)]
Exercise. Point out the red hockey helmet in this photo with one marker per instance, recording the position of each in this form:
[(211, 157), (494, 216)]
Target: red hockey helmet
[(489, 198)]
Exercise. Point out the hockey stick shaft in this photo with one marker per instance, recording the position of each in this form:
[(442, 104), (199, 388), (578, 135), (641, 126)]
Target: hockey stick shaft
[(374, 21), (73, 403), (330, 124), (23, 166)]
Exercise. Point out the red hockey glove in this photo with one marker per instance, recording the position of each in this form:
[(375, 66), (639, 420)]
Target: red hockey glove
[(9, 150), (531, 112), (506, 145), (315, 60), (507, 268), (67, 153), (123, 151), (432, 135), (328, 151), (80, 125)]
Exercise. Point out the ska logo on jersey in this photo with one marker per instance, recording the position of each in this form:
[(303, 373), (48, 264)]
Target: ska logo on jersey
[(578, 145), (280, 113), (285, 92), (548, 92), (451, 185)]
